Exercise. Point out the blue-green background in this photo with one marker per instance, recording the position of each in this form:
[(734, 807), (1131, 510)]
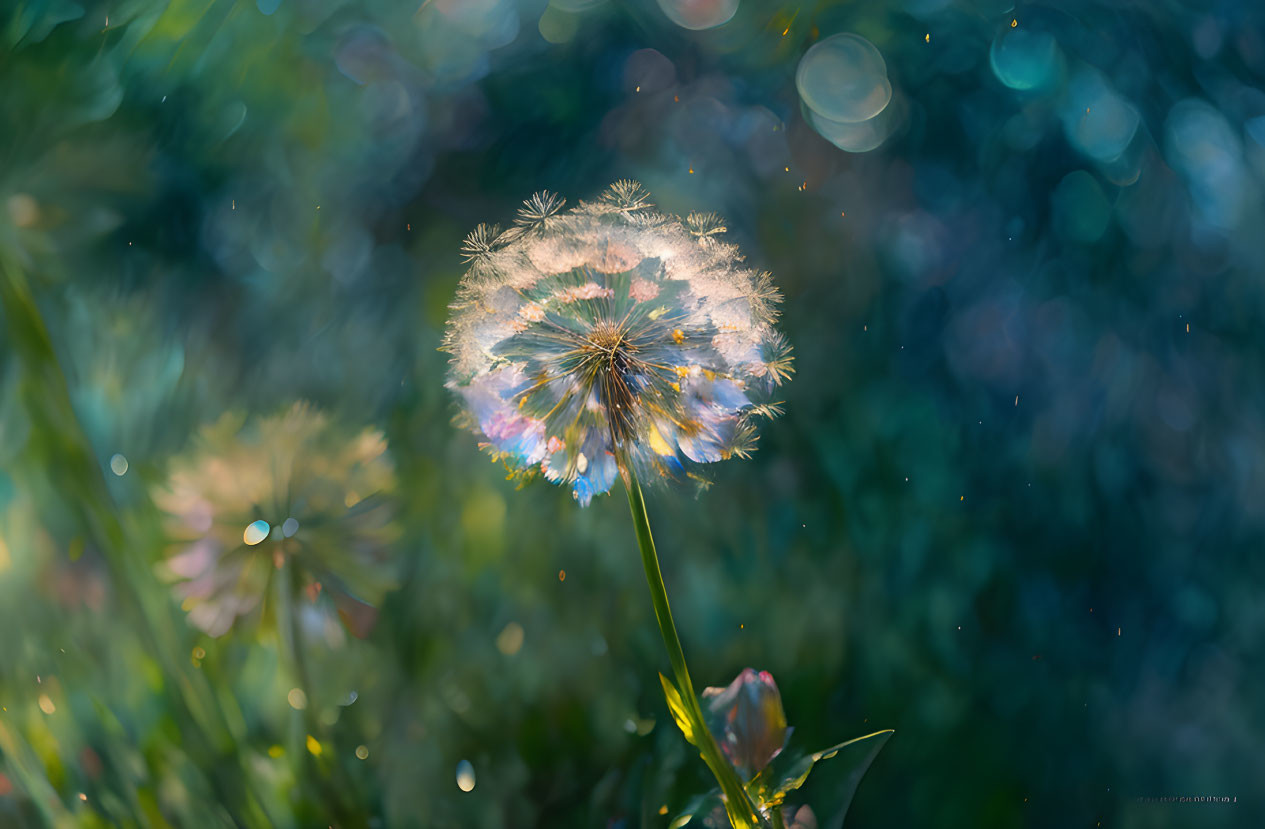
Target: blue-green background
[(1014, 509)]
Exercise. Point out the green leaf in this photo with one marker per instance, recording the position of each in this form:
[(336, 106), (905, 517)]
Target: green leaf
[(697, 810), (772, 785), (680, 713)]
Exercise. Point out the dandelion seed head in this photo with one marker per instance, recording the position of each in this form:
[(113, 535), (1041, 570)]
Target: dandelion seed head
[(236, 502), (612, 333)]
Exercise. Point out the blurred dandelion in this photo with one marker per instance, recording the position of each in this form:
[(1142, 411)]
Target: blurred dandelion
[(290, 489), (613, 335)]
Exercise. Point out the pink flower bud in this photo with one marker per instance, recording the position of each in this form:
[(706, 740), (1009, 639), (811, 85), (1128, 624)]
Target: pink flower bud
[(748, 720)]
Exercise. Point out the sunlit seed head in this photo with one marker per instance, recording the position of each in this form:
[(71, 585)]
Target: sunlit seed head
[(118, 465), (297, 699), (612, 336)]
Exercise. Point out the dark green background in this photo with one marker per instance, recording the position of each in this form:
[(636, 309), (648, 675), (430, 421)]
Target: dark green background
[(1014, 509)]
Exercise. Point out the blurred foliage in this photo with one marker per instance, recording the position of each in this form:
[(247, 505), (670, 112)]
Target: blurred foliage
[(1013, 510)]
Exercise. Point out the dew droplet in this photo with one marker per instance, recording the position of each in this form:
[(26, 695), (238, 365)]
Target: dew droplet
[(256, 531), (465, 776)]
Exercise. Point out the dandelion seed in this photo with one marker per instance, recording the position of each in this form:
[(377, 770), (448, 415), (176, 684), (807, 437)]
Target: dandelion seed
[(627, 196), (702, 225), (613, 334), (540, 208), (479, 243)]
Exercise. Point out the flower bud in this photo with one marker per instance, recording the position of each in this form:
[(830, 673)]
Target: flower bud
[(748, 721)]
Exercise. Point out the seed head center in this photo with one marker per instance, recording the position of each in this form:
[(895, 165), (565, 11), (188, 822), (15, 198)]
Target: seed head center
[(612, 361), (609, 346)]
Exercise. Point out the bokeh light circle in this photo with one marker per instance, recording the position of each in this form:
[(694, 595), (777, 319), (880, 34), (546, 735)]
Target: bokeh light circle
[(1096, 119), (1079, 208), (856, 136), (844, 78), (256, 531), (465, 776), (699, 14), (1024, 59)]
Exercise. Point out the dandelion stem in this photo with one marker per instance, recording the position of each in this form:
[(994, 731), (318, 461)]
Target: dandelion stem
[(738, 805), (310, 728)]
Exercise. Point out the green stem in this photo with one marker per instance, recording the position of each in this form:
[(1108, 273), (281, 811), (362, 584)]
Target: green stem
[(291, 584), (333, 792), (742, 812)]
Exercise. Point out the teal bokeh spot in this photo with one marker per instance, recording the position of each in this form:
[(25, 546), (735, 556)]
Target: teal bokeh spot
[(1081, 211), (1096, 119), (1023, 59)]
